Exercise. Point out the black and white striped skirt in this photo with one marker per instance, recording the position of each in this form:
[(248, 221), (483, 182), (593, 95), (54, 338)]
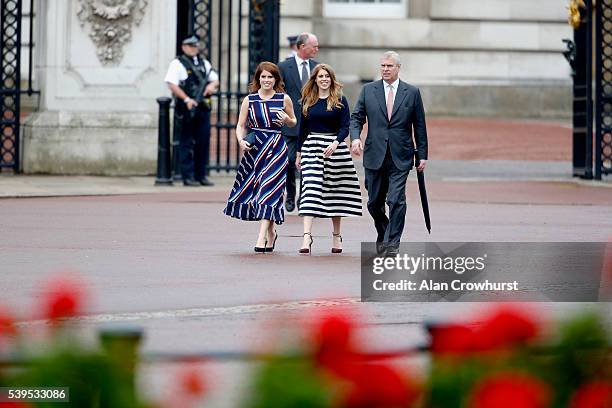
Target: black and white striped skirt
[(330, 187)]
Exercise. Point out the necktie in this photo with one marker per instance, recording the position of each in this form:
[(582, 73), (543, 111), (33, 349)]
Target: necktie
[(390, 102), (304, 73)]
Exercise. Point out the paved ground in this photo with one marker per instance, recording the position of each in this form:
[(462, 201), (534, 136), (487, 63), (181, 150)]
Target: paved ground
[(166, 259)]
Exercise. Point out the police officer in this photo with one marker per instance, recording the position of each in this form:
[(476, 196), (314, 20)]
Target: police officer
[(192, 80), (292, 46)]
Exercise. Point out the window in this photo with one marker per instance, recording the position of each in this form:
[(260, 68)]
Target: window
[(365, 8)]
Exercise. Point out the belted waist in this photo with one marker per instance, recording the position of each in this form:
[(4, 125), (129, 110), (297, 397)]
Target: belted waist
[(323, 134), (267, 130)]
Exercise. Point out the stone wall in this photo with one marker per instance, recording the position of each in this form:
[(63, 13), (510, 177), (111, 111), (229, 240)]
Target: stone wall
[(493, 58), (98, 113)]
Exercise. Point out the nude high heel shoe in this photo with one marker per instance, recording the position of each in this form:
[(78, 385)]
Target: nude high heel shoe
[(337, 250), (309, 249)]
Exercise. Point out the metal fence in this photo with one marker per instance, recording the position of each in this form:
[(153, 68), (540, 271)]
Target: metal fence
[(603, 88), (235, 39), (12, 16), (10, 78), (592, 111)]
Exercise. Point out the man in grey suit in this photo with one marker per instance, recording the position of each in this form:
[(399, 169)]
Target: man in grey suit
[(295, 72), (393, 110)]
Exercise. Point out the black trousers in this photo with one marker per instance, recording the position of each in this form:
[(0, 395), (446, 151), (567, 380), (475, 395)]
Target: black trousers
[(194, 144), (387, 185), (291, 142)]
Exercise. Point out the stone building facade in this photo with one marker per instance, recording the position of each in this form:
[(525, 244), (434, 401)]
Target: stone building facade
[(470, 57), (97, 112)]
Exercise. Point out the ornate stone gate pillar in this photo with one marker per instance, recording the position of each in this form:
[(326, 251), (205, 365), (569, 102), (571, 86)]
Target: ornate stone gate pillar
[(101, 64)]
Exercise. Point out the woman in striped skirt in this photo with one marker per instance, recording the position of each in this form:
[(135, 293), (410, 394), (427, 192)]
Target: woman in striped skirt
[(259, 189), (330, 188)]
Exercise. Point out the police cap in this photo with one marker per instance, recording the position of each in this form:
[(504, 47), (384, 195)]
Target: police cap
[(191, 40)]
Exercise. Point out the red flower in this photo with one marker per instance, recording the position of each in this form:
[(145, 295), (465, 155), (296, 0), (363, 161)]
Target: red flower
[(597, 394), (191, 382), (507, 327), (15, 405), (452, 339), (510, 390), (334, 347), (188, 389), (369, 384), (7, 324), (63, 297), (378, 385), (334, 332)]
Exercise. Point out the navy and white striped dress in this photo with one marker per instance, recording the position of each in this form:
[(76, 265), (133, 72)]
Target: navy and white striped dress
[(330, 187), (259, 190)]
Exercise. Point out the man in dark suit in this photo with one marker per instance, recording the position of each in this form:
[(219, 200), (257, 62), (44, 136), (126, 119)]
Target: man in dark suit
[(393, 110), (296, 71)]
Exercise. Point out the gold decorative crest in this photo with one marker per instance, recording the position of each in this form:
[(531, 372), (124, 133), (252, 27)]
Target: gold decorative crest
[(573, 10)]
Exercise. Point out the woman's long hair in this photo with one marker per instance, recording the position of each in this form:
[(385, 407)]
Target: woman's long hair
[(310, 91), (279, 85)]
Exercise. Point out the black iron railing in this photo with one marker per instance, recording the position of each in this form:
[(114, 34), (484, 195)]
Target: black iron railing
[(11, 17), (603, 88), (592, 111), (221, 25)]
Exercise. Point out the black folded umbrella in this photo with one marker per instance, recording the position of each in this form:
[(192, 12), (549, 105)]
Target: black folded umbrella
[(423, 193)]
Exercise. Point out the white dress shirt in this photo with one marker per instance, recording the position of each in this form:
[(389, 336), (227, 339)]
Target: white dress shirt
[(299, 61), (177, 72), (394, 85)]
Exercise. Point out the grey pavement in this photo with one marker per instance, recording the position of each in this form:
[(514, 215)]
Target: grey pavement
[(166, 259), (448, 170), (499, 170)]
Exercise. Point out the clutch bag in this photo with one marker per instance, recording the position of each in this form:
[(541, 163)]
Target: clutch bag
[(250, 138)]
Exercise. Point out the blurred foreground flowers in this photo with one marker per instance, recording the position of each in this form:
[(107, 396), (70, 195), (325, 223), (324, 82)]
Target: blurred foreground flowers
[(95, 378), (505, 357)]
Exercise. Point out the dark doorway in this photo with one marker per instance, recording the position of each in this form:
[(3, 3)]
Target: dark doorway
[(234, 36), (183, 26)]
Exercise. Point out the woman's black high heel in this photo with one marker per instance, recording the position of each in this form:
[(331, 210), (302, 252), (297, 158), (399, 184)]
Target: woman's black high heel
[(273, 242), (307, 250), (337, 250), (261, 249)]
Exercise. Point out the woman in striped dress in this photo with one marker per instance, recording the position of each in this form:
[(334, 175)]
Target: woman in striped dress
[(259, 189), (330, 188)]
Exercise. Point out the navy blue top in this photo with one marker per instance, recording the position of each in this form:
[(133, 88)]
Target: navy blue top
[(320, 120)]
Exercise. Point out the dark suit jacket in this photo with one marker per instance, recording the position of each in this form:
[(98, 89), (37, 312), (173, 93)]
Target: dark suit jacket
[(408, 113), (293, 88)]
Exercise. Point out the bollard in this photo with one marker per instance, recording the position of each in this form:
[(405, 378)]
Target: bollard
[(176, 144), (163, 143), (121, 345)]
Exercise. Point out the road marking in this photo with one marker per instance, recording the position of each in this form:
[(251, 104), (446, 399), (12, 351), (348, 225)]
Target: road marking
[(198, 312)]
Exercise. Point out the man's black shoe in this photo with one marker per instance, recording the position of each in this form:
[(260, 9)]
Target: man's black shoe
[(206, 182), (380, 248), (392, 251), (289, 205), (191, 183)]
